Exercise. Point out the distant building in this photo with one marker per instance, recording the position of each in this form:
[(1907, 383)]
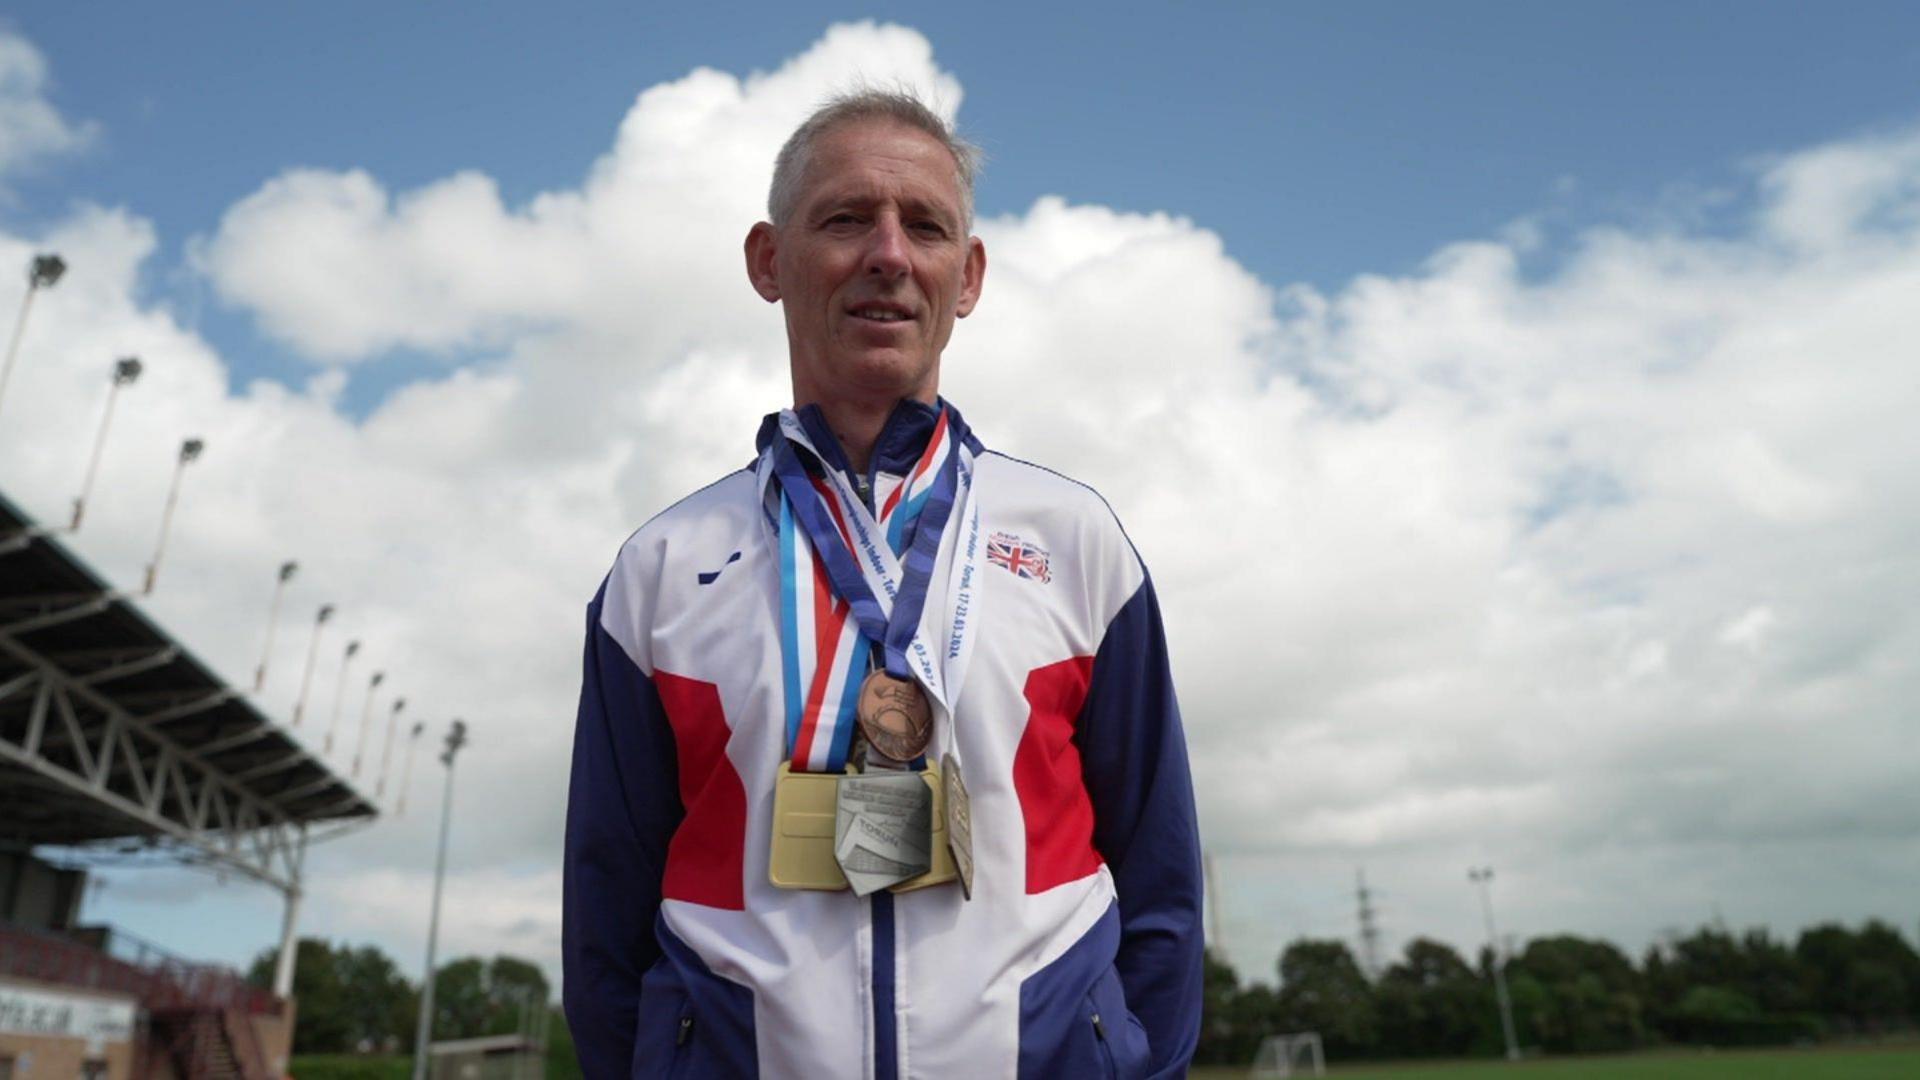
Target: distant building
[(493, 1057)]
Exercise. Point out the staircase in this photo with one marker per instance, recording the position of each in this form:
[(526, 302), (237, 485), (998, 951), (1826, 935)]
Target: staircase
[(200, 1016), (206, 1044)]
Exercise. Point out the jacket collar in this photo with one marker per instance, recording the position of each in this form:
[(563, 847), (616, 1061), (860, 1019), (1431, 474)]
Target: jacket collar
[(902, 438)]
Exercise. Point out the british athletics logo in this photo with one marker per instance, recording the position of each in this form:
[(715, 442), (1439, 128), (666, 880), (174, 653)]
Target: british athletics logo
[(1024, 559)]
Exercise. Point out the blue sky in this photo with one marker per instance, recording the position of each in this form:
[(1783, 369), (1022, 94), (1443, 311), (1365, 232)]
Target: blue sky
[(1599, 580), (1320, 141)]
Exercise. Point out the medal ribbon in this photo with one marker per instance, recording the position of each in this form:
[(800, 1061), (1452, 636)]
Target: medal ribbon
[(833, 605)]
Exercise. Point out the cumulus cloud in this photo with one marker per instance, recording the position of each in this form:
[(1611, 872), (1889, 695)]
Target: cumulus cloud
[(31, 129), (1595, 571)]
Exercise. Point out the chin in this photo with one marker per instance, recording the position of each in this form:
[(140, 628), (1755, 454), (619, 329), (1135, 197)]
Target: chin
[(891, 373)]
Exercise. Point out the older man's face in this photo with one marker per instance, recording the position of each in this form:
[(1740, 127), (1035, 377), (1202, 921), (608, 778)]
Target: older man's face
[(873, 265)]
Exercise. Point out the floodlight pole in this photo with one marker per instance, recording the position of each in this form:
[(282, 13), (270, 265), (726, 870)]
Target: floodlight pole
[(339, 694), (43, 273), (366, 721), (189, 450), (1483, 877), (423, 1029), (406, 770), (287, 570), (386, 753), (125, 370), (313, 654)]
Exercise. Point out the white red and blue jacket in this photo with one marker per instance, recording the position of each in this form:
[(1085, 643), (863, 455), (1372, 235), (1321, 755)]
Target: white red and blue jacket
[(1080, 951)]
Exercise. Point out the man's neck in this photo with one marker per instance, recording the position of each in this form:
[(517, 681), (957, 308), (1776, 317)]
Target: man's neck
[(857, 425)]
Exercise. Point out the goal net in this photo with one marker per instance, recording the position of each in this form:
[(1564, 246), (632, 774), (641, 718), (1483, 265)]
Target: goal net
[(1282, 1056)]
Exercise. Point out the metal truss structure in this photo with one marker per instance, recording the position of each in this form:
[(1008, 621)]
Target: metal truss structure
[(114, 735)]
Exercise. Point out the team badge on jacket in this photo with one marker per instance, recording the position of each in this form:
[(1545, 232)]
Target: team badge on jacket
[(1025, 559)]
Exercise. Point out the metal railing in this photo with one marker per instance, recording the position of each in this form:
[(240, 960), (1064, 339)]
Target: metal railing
[(126, 964)]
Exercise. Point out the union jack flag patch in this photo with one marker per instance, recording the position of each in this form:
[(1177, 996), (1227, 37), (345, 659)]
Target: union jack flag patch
[(1019, 556)]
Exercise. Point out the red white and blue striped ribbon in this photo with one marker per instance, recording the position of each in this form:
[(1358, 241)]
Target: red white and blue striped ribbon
[(824, 654)]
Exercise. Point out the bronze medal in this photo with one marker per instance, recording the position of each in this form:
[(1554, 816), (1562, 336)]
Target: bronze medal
[(895, 716)]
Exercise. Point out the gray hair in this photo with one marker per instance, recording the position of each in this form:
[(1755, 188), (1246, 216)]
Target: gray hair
[(899, 106)]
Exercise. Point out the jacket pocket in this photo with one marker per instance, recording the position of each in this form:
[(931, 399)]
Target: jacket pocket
[(1074, 1020), (1122, 1040), (664, 1027)]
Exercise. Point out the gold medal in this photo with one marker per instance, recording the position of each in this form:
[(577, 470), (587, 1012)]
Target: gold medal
[(801, 853), (895, 716)]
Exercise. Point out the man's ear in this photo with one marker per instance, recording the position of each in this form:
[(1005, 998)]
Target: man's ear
[(972, 278), (762, 244)]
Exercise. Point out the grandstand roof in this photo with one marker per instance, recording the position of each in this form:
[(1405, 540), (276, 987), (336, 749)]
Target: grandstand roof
[(112, 729)]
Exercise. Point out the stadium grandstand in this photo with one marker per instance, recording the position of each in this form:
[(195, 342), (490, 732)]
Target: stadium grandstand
[(118, 745)]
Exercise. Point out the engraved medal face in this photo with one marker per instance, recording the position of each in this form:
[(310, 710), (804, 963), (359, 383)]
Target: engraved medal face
[(959, 816), (895, 716)]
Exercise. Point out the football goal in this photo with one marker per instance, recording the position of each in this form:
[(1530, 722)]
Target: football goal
[(1285, 1056)]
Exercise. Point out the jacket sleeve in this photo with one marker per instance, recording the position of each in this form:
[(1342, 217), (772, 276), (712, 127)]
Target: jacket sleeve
[(1134, 757), (622, 808)]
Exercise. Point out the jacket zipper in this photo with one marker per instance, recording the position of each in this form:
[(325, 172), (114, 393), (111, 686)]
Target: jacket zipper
[(1106, 1048)]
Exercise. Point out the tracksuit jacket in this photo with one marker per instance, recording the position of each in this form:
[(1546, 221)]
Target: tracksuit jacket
[(1080, 951)]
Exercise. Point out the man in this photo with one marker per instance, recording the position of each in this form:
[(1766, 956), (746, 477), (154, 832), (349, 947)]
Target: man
[(997, 874)]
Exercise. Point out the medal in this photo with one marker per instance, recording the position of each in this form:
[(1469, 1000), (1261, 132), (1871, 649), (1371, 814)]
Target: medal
[(941, 869), (801, 855), (895, 716), (855, 579), (959, 821)]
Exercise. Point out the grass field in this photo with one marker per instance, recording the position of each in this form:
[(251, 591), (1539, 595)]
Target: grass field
[(1879, 1063), (1890, 1063)]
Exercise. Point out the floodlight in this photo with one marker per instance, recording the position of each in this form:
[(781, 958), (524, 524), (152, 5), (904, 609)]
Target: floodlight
[(1483, 877), (406, 769), (366, 720), (189, 450), (423, 1027), (313, 653), (41, 274), (125, 371), (46, 271), (339, 695), (386, 753)]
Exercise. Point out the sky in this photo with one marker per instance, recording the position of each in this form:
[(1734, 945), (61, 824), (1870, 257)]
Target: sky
[(1511, 402)]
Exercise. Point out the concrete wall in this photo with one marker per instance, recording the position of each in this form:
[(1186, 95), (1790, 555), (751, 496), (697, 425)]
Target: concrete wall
[(57, 1032)]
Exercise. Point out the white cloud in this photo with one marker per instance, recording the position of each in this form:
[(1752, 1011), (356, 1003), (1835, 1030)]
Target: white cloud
[(1452, 561), (31, 129)]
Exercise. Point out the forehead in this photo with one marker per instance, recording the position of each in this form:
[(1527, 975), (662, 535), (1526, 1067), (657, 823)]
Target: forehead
[(864, 158)]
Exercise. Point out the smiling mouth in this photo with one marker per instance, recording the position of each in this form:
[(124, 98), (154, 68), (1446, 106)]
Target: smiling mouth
[(880, 313)]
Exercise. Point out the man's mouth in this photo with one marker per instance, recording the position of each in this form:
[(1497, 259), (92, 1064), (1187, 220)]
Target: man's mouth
[(881, 312)]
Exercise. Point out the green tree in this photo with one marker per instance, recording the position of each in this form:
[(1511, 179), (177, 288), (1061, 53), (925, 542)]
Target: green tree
[(461, 1007), (381, 1005), (1826, 955), (324, 1022), (512, 981), (1219, 987), (1591, 994), (473, 997), (1884, 978), (1430, 1002), (1322, 989)]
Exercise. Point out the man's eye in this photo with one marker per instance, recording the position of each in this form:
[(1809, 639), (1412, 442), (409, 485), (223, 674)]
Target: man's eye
[(842, 218), (930, 228)]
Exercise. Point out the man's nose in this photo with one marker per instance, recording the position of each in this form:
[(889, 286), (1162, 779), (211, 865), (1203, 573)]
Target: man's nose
[(887, 254)]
